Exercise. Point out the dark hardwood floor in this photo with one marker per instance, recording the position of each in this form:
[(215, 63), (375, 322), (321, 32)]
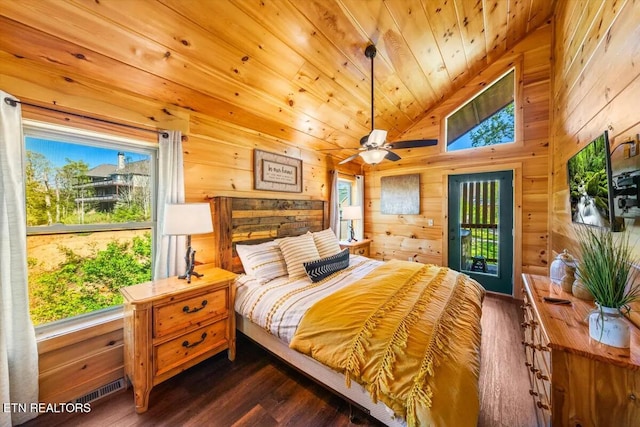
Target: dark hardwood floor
[(259, 390)]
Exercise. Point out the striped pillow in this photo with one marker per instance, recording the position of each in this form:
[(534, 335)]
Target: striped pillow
[(321, 268), (297, 250), (263, 261), (326, 242)]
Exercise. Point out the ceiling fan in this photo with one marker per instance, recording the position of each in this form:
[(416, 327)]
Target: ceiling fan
[(374, 146)]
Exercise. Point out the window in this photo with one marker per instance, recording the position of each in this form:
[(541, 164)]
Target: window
[(346, 195), (90, 202), (487, 119)]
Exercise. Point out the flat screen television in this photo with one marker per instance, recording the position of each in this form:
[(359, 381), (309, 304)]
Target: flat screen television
[(590, 185)]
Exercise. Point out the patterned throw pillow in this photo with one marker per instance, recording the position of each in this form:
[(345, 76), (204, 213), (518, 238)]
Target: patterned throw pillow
[(263, 261), (326, 242), (321, 268), (297, 250)]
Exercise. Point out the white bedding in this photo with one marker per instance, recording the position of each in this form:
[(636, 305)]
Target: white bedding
[(278, 305)]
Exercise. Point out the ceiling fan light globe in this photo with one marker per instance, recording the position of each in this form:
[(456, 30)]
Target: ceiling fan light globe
[(373, 157)]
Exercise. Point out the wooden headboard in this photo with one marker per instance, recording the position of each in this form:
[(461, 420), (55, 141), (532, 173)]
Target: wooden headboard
[(254, 220)]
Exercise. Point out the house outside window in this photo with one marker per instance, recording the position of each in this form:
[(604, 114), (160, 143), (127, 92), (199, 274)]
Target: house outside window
[(90, 202), (487, 119)]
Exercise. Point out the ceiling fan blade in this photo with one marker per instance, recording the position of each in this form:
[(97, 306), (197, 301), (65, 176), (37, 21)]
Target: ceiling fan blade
[(364, 140), (392, 156), (414, 143), (348, 159), (377, 138)]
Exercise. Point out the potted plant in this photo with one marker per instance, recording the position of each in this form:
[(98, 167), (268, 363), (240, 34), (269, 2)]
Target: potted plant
[(608, 269)]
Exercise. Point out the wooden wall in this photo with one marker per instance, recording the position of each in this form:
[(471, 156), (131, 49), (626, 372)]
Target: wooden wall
[(596, 87), (401, 236), (593, 86), (75, 362), (218, 161)]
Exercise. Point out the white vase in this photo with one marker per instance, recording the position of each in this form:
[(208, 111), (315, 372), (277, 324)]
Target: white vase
[(607, 325)]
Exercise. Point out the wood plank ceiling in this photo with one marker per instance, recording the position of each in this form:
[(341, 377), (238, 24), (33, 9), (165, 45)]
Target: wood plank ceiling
[(293, 69)]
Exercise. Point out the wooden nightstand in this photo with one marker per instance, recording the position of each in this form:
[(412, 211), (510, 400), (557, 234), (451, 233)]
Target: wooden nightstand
[(171, 325), (360, 247)]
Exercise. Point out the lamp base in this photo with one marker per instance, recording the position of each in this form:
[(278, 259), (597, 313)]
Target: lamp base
[(352, 234), (190, 259)]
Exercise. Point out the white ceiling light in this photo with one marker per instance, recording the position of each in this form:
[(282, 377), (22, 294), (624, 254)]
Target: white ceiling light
[(374, 156)]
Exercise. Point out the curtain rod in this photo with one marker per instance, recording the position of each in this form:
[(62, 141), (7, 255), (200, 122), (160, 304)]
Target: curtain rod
[(14, 102), (344, 173)]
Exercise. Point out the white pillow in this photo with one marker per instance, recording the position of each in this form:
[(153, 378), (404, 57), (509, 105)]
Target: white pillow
[(326, 243), (263, 261), (296, 251)]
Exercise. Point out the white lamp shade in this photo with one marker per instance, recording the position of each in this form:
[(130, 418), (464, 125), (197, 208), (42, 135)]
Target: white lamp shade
[(186, 219), (351, 212), (373, 157)]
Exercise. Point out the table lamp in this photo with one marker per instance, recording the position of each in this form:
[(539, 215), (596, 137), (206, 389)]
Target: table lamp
[(185, 219), (351, 213)]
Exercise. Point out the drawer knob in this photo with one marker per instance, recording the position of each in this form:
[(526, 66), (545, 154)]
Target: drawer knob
[(186, 344), (542, 405), (188, 310), (541, 376)]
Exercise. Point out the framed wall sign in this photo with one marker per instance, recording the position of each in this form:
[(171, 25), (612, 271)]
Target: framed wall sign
[(400, 194), (275, 172)]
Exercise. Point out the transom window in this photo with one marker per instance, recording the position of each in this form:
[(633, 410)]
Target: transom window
[(90, 200), (487, 119)]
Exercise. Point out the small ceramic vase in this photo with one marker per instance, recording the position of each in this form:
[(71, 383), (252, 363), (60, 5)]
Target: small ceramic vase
[(607, 325)]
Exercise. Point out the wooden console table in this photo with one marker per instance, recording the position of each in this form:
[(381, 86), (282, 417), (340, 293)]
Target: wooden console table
[(576, 381)]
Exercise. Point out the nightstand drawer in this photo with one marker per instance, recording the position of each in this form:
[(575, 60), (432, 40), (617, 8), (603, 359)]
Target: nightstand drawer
[(186, 347), (364, 251), (357, 247), (180, 315)]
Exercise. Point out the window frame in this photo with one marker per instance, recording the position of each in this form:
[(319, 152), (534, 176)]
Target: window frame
[(351, 180), (42, 130), (517, 113)]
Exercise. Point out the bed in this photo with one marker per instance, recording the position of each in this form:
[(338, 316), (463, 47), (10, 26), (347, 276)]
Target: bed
[(404, 341)]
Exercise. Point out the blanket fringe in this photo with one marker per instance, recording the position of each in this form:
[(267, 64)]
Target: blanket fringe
[(356, 354), (399, 338), (438, 349)]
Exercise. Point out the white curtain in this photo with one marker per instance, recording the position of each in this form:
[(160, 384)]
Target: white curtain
[(334, 209), (359, 201), (18, 349), (170, 250)]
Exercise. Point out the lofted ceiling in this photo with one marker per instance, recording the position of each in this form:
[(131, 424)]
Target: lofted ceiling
[(293, 69)]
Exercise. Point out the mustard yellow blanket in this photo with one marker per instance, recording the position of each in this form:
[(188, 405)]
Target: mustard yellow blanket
[(410, 334)]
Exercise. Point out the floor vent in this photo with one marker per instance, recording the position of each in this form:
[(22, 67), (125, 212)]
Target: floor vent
[(103, 391)]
